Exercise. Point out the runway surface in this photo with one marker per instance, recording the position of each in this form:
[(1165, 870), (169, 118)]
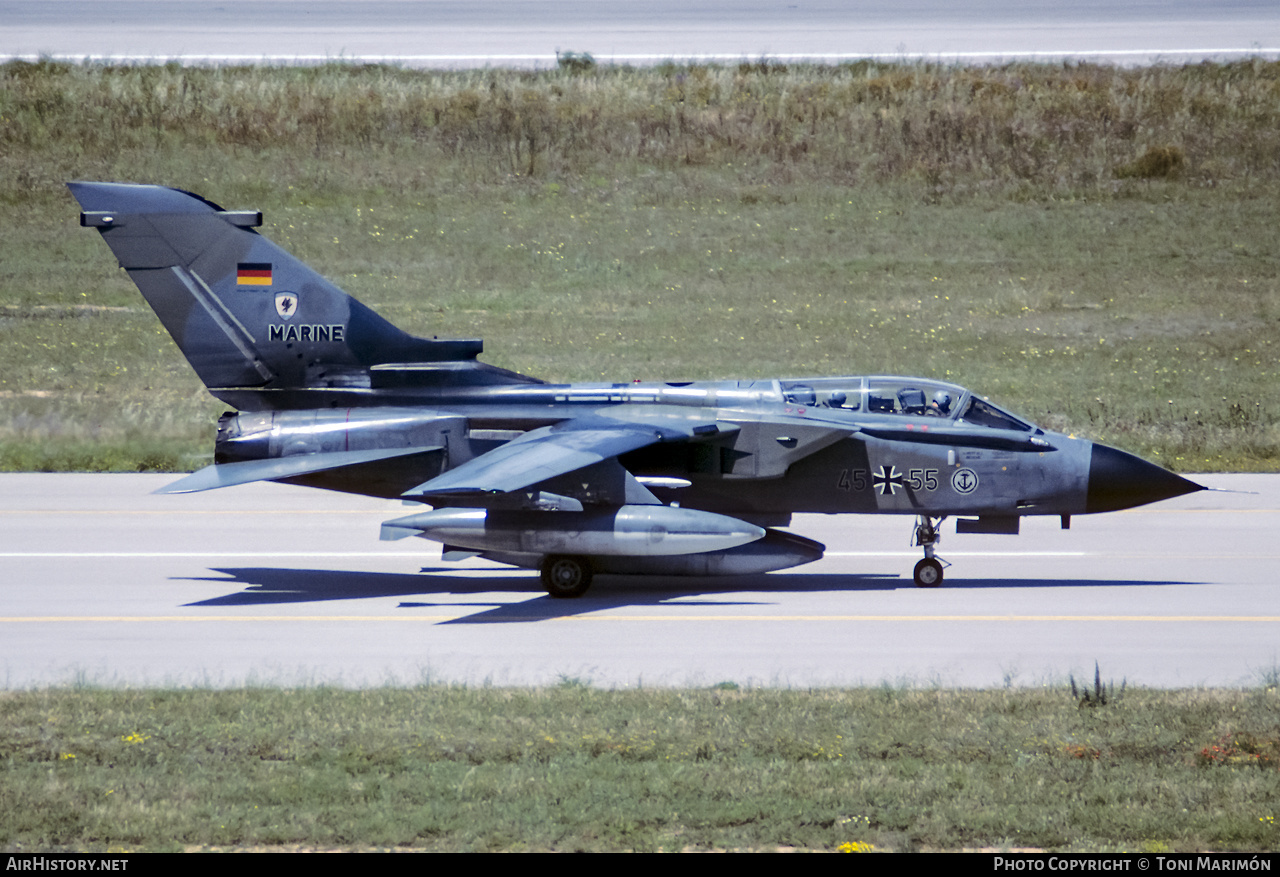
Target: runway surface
[(478, 33), (103, 582)]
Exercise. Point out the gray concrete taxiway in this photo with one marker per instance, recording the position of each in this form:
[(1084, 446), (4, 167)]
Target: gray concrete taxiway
[(104, 582)]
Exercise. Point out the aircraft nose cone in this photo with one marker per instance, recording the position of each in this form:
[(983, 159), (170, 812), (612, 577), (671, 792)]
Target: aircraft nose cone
[(1121, 481)]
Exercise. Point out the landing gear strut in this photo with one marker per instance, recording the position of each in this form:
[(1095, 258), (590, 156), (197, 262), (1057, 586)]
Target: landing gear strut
[(928, 572)]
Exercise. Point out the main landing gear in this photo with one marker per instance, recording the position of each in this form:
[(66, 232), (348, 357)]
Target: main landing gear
[(928, 572), (565, 575)]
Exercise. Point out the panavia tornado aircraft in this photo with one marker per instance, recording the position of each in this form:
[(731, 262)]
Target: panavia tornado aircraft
[(572, 479)]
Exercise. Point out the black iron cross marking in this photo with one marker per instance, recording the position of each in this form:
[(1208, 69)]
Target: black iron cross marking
[(887, 482)]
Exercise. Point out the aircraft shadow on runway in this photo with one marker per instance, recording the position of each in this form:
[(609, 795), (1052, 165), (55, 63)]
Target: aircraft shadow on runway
[(265, 586)]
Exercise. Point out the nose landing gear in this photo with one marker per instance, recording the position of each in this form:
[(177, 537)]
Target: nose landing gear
[(928, 572)]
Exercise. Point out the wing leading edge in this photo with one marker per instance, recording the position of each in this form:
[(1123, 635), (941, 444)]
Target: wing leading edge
[(535, 457), (573, 446)]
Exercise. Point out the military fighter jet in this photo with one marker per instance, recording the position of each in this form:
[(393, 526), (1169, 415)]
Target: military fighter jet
[(573, 479)]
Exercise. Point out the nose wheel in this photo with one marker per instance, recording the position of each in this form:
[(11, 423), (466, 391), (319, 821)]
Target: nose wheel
[(928, 572)]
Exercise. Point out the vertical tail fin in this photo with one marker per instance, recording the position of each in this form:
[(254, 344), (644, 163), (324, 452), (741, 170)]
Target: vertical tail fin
[(247, 314)]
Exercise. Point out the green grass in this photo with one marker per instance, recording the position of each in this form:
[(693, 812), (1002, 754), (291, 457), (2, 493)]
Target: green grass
[(1092, 247), (574, 768)]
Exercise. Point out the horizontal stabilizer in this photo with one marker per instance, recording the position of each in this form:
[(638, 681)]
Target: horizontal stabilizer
[(229, 474)]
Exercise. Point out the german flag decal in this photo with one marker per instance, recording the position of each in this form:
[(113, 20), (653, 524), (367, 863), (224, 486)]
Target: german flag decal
[(253, 274)]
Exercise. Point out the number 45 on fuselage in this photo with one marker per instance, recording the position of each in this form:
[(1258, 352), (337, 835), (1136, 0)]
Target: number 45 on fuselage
[(572, 479)]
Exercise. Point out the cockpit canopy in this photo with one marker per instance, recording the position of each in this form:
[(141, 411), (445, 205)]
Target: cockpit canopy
[(900, 396)]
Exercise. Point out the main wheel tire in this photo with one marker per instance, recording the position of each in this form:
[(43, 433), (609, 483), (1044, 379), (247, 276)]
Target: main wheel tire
[(566, 576), (928, 573)]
